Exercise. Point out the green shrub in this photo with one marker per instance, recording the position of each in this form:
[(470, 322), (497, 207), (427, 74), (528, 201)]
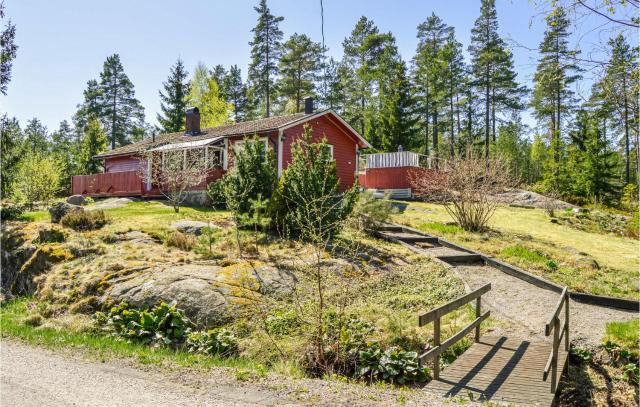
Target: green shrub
[(283, 322), (630, 197), (307, 201), (162, 324), (392, 365), (181, 240), (10, 211), (88, 200), (253, 174), (84, 220), (215, 192), (219, 342)]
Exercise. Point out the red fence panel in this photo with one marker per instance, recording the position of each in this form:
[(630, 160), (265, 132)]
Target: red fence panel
[(392, 177), (125, 183)]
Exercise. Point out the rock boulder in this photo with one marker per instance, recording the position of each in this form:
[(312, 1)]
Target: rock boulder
[(59, 209), (76, 200), (192, 227), (210, 295)]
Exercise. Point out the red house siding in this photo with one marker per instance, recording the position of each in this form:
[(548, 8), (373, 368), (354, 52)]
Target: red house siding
[(122, 163), (344, 147)]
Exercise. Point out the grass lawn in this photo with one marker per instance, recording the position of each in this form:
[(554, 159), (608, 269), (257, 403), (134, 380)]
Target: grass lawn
[(527, 238)]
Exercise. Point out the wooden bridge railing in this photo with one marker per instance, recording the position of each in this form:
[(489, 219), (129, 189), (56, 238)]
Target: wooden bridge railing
[(553, 326), (437, 313)]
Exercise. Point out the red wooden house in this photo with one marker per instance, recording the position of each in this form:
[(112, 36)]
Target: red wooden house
[(123, 165)]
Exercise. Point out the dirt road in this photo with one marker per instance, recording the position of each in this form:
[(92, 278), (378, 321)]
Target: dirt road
[(36, 377)]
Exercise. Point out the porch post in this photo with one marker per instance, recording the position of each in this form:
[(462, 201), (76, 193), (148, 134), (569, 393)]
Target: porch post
[(280, 152), (149, 175), (225, 155)]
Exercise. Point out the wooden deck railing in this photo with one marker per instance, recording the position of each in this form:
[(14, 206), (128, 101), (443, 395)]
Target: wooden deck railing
[(125, 183), (437, 313), (553, 326)]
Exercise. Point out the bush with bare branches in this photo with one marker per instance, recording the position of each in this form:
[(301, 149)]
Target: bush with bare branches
[(467, 181), (174, 174)]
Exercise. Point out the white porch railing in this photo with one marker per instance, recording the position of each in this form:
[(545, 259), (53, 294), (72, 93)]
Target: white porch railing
[(396, 159)]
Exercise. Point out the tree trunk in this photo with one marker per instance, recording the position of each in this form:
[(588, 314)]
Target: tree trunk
[(626, 130), (452, 140), (486, 114), (267, 72), (493, 114)]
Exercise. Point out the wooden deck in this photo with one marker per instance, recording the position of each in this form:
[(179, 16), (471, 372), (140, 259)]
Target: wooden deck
[(501, 369)]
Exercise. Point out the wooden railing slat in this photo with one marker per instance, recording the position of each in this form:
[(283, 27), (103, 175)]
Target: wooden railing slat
[(437, 350), (453, 305), (556, 312)]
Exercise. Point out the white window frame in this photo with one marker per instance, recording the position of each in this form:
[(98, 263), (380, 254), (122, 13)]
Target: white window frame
[(330, 151), (240, 143)]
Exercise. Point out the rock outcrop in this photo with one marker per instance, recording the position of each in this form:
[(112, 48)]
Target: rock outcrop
[(210, 295)]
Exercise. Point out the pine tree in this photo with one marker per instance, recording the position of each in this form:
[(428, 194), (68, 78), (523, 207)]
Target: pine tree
[(620, 91), (90, 107), (8, 51), (332, 94), (36, 138), (204, 93), (397, 117), (492, 68), (173, 101), (363, 52), (591, 165), (265, 53), (428, 76), (552, 95), (451, 56), (300, 66), (11, 143), (236, 92), (119, 110), (94, 143)]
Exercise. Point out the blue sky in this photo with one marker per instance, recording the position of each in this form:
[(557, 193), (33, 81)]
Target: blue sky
[(63, 44)]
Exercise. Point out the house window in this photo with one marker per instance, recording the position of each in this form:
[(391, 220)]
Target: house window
[(328, 151), (239, 145)]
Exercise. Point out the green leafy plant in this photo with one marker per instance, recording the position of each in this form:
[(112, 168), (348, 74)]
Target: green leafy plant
[(221, 342), (580, 355), (394, 365), (164, 324), (84, 220)]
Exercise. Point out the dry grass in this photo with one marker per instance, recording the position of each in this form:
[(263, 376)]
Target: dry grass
[(614, 272)]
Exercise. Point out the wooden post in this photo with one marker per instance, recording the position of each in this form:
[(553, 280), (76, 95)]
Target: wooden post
[(478, 304), (566, 323), (436, 343), (554, 359)]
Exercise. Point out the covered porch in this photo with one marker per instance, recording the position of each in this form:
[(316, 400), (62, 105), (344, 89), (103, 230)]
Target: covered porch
[(209, 154)]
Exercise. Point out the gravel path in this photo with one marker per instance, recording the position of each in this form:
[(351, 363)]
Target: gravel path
[(35, 377), (529, 307)]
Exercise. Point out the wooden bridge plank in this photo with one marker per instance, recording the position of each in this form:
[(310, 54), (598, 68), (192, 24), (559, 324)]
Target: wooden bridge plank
[(500, 369)]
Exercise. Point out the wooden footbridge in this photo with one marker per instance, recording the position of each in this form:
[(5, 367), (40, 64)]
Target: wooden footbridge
[(499, 369)]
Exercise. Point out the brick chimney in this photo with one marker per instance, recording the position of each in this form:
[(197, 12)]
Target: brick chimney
[(308, 105), (192, 122)]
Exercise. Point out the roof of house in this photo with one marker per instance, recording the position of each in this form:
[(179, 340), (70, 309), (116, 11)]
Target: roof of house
[(219, 132)]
